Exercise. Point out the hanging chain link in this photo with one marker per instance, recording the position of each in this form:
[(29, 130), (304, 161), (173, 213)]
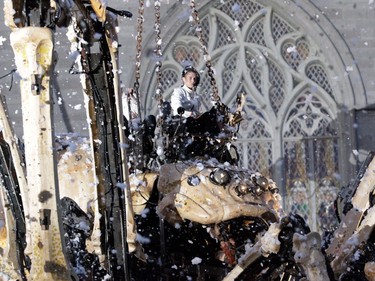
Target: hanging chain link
[(160, 139), (207, 57), (136, 131), (158, 53), (140, 21)]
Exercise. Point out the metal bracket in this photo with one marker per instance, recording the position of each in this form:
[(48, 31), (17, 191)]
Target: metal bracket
[(45, 218)]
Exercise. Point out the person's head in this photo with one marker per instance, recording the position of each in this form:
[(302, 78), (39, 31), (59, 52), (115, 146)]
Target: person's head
[(190, 77)]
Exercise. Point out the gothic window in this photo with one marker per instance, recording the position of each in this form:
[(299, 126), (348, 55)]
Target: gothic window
[(276, 91), (256, 35), (253, 70), (310, 155), (290, 108), (170, 78), (279, 27), (316, 72), (295, 52), (255, 141)]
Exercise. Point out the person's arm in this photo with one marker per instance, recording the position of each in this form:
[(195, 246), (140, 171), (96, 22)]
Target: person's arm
[(176, 100)]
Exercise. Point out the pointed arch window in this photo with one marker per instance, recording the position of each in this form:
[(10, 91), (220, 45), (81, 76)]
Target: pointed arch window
[(310, 155)]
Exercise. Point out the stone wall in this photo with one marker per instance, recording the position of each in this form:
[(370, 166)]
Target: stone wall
[(355, 20)]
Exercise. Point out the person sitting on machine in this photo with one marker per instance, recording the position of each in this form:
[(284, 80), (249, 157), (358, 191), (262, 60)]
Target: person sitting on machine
[(185, 98), (185, 102), (191, 130)]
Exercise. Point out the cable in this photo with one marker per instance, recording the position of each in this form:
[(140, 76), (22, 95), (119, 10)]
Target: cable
[(11, 80)]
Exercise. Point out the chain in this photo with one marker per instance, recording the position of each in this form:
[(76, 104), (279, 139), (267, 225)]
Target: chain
[(207, 57), (140, 21), (158, 53), (159, 140), (139, 42), (136, 131)]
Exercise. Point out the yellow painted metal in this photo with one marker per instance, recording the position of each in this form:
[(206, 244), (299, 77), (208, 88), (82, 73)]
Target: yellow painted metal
[(99, 8)]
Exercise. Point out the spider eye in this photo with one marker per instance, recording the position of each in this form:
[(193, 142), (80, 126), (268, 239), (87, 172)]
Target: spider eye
[(219, 177), (242, 190), (261, 182), (193, 180)]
